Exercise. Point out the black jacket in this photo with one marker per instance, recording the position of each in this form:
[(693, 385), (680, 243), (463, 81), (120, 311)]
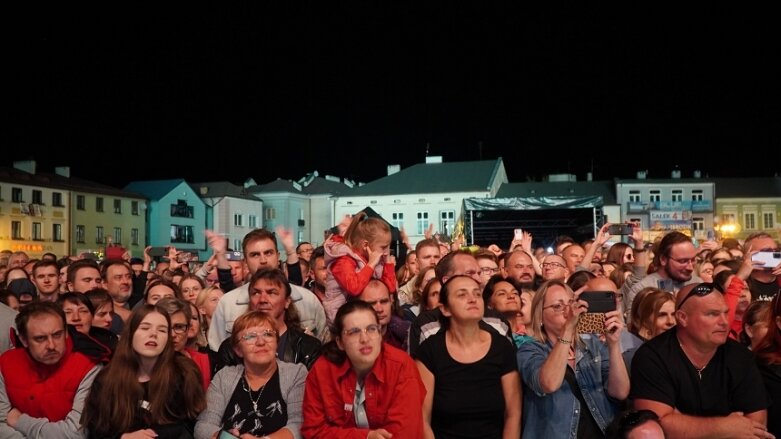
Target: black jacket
[(301, 348)]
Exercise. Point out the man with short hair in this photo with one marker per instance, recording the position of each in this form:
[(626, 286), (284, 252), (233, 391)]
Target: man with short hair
[(84, 275), (574, 255), (43, 385), (304, 251), (260, 251), (18, 259), (554, 267), (699, 382), (428, 253), (394, 328), (118, 281), (319, 273), (46, 277), (519, 266)]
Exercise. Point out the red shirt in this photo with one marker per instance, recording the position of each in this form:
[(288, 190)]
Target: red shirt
[(394, 398)]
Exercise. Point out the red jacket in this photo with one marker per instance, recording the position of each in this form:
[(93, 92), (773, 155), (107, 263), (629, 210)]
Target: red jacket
[(204, 365), (394, 398), (43, 391)]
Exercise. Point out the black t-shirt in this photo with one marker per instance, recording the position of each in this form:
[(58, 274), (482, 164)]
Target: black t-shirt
[(467, 397), (730, 382), (771, 374), (270, 416), (762, 291)]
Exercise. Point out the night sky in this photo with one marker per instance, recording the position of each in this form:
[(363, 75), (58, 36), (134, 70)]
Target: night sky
[(203, 93)]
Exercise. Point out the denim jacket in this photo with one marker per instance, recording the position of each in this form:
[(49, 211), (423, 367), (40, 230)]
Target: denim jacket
[(555, 415)]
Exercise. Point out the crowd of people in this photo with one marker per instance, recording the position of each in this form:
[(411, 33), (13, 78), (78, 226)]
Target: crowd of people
[(669, 338)]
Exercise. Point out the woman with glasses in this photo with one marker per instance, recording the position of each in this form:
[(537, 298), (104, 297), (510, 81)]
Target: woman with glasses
[(576, 381), (262, 395), (470, 372), (146, 390), (360, 386), (180, 314)]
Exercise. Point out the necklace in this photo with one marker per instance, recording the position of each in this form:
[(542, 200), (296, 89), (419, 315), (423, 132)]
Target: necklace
[(698, 369), (245, 384)]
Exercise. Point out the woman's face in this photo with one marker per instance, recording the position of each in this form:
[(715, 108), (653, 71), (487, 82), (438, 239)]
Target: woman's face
[(179, 328), (157, 293), (78, 315), (190, 289), (554, 319), (360, 339), (412, 263), (465, 300), (432, 301), (665, 318), (210, 304), (526, 308), (151, 336), (505, 298), (195, 323), (426, 278), (103, 316), (257, 345), (706, 272), (756, 332), (629, 256)]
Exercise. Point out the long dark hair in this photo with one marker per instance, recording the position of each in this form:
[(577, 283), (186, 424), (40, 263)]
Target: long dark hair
[(331, 350), (112, 406), (769, 349)]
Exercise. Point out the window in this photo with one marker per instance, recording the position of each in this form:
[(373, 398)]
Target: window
[(134, 236), (37, 232), (237, 244), (677, 194), (182, 210), (655, 196), (397, 219), (182, 234), (634, 196), (57, 199), (698, 224), (117, 206), (749, 221), (768, 221), (269, 213), (16, 230), (117, 235), (80, 203), (697, 195), (300, 236), (37, 197), (253, 221), (446, 222), (99, 235), (134, 207), (99, 204), (16, 195), (80, 232), (728, 218), (57, 232), (237, 219), (422, 223)]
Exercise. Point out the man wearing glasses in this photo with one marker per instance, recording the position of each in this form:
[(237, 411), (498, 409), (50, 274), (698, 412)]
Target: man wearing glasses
[(700, 383), (674, 260)]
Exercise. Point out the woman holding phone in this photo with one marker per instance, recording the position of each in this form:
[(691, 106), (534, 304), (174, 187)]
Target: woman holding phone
[(562, 371)]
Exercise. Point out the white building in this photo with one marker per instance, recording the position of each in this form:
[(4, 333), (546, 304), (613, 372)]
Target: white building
[(231, 211)]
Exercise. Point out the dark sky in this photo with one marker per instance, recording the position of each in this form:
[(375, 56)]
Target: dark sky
[(205, 93)]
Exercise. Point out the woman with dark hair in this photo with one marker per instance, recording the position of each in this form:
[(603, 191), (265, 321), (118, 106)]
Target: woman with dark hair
[(146, 389), (470, 373), (91, 340), (620, 253), (262, 395), (360, 386), (504, 295), (769, 361), (652, 313), (755, 324)]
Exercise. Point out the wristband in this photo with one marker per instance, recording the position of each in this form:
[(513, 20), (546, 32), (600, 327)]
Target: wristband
[(562, 341)]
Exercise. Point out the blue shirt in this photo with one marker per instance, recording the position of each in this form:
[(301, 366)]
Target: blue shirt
[(556, 415)]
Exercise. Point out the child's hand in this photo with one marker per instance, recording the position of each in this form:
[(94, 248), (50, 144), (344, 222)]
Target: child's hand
[(374, 256)]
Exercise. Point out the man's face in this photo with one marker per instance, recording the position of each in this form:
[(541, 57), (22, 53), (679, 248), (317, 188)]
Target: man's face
[(428, 256), (554, 267), (237, 272), (85, 279), (46, 280), (704, 319), (679, 264), (269, 298), (118, 282), (464, 265), (261, 254), (574, 255), (321, 272), (519, 267), (376, 294), (18, 260), (45, 338), (305, 251)]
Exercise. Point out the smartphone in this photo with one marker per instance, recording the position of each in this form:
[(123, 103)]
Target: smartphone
[(599, 301), (158, 252), (518, 234), (768, 259), (620, 229)]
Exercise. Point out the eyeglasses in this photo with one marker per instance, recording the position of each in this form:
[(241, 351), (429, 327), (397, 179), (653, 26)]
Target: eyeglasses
[(552, 265), (489, 270), (701, 290), (684, 261), (267, 335), (371, 331), (558, 307), (180, 328)]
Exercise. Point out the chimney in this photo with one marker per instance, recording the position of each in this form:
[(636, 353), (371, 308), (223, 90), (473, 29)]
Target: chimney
[(642, 175), (434, 159), (27, 166), (392, 169), (697, 173), (676, 174), (63, 171), (204, 190), (590, 176)]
